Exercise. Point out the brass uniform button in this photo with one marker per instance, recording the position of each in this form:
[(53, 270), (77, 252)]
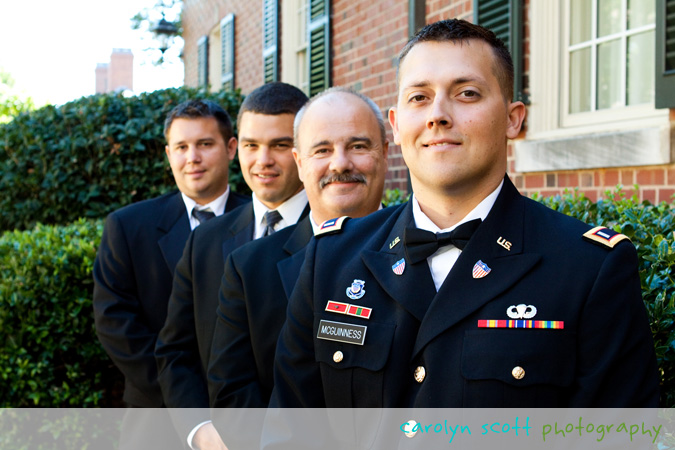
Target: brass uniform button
[(518, 373), (337, 356), (420, 373)]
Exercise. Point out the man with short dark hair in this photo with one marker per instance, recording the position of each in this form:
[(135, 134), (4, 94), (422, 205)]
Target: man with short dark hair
[(470, 295), (183, 347), (142, 243)]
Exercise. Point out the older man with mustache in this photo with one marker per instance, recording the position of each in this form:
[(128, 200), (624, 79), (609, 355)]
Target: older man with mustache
[(341, 153)]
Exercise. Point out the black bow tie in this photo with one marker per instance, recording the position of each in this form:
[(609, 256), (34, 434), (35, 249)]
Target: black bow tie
[(420, 244)]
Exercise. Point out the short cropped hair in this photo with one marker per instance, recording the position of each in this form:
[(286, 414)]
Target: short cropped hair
[(457, 30), (273, 99), (371, 104), (195, 109)]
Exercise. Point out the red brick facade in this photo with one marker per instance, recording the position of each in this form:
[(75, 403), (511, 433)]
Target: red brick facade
[(366, 37)]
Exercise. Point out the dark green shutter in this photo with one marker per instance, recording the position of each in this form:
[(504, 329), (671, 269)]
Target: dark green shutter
[(505, 19), (318, 45), (665, 54), (203, 61), (227, 52), (270, 40)]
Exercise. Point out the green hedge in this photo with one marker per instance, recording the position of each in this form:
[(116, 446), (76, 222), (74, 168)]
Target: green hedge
[(49, 354), (651, 228), (90, 156)]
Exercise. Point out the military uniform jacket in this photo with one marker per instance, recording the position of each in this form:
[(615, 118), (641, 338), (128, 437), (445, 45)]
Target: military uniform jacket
[(133, 272), (426, 349), (257, 282)]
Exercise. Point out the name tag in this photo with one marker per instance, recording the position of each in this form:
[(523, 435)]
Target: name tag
[(342, 332)]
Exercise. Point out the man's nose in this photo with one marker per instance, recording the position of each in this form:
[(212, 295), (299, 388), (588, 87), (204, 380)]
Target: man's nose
[(193, 155), (439, 114), (340, 161), (265, 158)]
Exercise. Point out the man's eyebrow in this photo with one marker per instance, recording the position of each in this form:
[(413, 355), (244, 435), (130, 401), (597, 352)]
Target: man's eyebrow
[(272, 141), (321, 143), (281, 139), (456, 81), (365, 139)]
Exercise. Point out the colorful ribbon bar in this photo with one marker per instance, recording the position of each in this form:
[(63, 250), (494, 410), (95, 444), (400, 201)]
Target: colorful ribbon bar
[(545, 324), (349, 309)]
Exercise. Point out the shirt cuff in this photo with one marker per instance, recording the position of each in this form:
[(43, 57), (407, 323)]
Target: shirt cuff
[(193, 432)]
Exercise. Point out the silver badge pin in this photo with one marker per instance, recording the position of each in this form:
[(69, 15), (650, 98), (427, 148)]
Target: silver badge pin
[(356, 290)]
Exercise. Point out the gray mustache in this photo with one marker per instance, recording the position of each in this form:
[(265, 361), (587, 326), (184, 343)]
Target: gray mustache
[(342, 178)]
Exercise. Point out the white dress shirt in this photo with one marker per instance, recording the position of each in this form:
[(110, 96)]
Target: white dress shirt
[(217, 207), (290, 211), (441, 262)]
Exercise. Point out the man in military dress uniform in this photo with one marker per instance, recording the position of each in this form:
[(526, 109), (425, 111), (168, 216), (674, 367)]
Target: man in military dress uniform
[(470, 295)]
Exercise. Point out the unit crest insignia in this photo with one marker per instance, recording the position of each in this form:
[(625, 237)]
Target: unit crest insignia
[(356, 290)]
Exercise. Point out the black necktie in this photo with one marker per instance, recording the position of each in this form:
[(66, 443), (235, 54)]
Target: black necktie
[(420, 244), (271, 218), (203, 216)]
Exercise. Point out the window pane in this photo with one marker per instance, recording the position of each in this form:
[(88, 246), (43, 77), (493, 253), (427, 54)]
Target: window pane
[(580, 21), (580, 80), (609, 17), (640, 68), (641, 12), (609, 74)]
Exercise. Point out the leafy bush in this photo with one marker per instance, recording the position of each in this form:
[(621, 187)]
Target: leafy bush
[(651, 228), (393, 197), (49, 354), (91, 156)]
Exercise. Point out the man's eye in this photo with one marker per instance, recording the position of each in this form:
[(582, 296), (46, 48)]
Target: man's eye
[(469, 94), (417, 98)]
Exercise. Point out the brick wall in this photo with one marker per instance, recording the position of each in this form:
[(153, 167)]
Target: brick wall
[(367, 36), (201, 16)]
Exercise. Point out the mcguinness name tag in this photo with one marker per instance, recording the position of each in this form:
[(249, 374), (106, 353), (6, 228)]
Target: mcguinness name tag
[(342, 332)]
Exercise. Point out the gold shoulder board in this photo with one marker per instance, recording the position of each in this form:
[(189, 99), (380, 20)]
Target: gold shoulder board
[(604, 236), (331, 226)]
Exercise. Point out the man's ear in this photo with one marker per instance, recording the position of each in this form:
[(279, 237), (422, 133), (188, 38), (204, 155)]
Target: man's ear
[(232, 148), (394, 124), (298, 162), (515, 119)]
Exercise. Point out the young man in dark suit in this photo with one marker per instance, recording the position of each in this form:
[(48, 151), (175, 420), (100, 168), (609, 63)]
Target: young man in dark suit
[(470, 295), (142, 243), (265, 125), (341, 151)]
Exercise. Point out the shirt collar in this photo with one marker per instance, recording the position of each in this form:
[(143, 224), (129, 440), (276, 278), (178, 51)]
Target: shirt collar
[(290, 210), (481, 211), (217, 206)]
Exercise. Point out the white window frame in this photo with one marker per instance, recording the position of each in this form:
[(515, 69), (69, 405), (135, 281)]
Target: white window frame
[(294, 43), (547, 120)]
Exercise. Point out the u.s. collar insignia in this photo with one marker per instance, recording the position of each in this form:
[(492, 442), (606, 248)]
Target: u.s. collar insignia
[(356, 291), (521, 311)]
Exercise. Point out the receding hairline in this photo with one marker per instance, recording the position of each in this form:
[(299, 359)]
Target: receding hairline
[(326, 95)]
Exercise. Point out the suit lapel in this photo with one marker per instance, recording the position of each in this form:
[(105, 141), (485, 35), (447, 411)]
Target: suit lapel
[(289, 268), (414, 288), (174, 227), (461, 294), (241, 230)]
